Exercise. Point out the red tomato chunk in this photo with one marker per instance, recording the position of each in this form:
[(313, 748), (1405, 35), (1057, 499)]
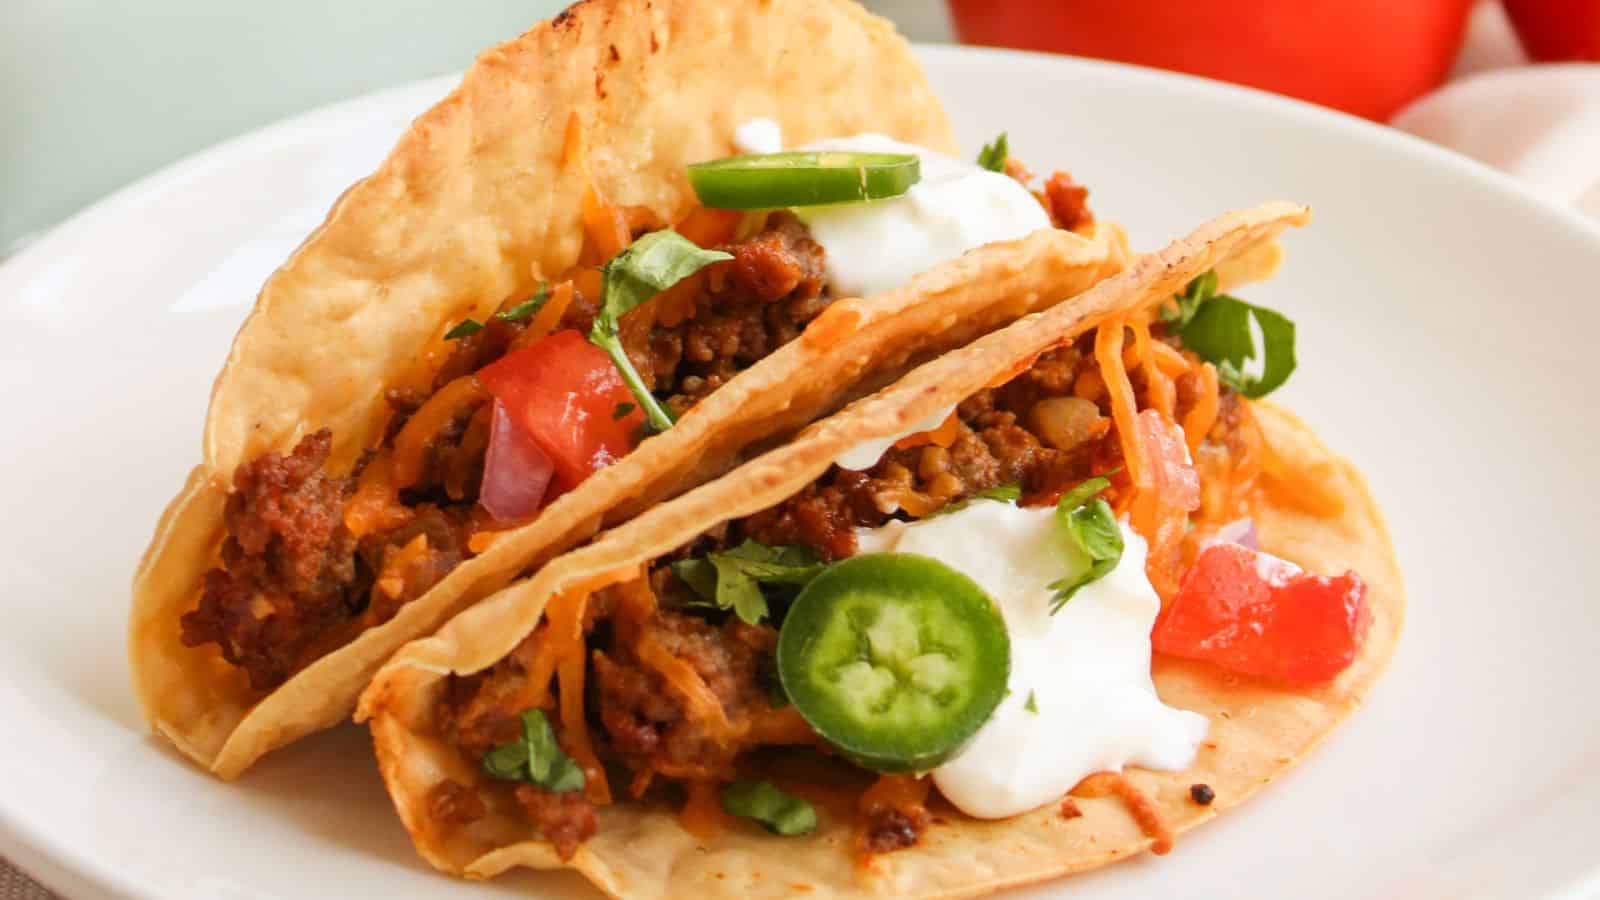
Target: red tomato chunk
[(567, 395), (1255, 614)]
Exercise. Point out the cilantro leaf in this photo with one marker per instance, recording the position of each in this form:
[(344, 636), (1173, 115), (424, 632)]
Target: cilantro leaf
[(1005, 493), (528, 307), (733, 579), (779, 812), (463, 329), (622, 410), (1183, 308), (647, 267), (1087, 522), (1217, 328), (535, 757), (1084, 492), (1031, 705), (993, 156)]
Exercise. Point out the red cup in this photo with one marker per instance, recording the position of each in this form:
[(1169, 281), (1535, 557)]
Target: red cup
[(1368, 57)]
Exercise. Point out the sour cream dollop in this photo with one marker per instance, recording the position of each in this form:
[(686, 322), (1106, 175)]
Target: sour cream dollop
[(872, 247), (758, 136), (957, 206), (1086, 668), (866, 454)]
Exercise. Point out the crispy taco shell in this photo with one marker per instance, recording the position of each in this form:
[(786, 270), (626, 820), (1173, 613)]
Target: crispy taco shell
[(481, 199), (1257, 731)]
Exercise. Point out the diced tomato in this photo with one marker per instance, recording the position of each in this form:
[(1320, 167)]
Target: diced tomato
[(566, 393), (1253, 613)]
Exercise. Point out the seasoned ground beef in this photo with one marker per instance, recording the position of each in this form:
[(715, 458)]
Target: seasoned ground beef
[(755, 303), (1068, 202), (445, 532), (565, 820), (289, 569), (453, 803), (890, 828), (482, 711), (1045, 430), (651, 725), (292, 574)]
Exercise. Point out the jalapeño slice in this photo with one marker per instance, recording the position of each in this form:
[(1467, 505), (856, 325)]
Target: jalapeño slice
[(895, 659), (802, 178)]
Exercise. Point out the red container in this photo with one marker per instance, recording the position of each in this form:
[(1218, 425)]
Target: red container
[(1557, 30), (1368, 57)]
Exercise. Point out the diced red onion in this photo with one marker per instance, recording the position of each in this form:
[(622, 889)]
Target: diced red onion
[(516, 471), (1239, 531)]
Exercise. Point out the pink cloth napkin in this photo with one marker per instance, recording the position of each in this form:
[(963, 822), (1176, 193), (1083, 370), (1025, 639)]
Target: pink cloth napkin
[(1538, 123)]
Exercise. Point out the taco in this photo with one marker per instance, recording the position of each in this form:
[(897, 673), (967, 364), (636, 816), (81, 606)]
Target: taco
[(894, 659), (527, 324)]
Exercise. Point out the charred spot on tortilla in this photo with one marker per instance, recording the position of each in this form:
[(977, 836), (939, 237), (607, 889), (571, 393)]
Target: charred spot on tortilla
[(1202, 794)]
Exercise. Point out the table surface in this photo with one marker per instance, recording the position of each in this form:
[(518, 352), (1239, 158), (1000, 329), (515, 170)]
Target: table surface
[(205, 73)]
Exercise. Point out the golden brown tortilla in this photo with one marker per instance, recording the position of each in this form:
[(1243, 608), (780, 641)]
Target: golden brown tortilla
[(476, 204), (1257, 731)]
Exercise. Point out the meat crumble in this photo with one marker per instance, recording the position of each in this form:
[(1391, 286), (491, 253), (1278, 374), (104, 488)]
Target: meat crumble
[(293, 581)]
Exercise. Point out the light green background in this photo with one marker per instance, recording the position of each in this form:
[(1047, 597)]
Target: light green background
[(95, 93)]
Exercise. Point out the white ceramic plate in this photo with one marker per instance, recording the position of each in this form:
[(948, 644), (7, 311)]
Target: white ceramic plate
[(1447, 321)]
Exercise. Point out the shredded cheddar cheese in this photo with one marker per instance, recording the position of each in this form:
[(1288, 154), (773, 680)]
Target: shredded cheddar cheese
[(1143, 810), (604, 226), (836, 323), (917, 505), (1171, 361), (702, 814), (587, 281), (638, 601), (483, 540), (1197, 424), (1014, 371), (566, 651), (548, 316), (411, 444), (575, 728), (898, 791), (682, 677), (1162, 393), (1139, 353), (376, 504), (942, 436), (392, 580), (709, 227), (676, 304), (1108, 353)]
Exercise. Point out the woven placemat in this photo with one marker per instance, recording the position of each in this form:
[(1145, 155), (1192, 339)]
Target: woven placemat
[(16, 886)]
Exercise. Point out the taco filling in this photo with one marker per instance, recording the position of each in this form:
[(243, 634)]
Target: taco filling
[(966, 615), (505, 415)]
